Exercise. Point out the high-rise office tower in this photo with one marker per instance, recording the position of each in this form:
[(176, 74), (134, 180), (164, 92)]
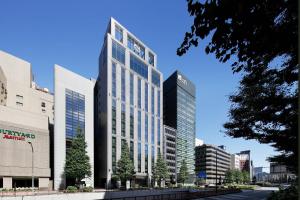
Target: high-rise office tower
[(180, 113), (129, 105)]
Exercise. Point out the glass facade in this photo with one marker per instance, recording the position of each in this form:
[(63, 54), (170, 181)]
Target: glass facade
[(139, 93), (131, 150), (158, 103), (146, 128), (114, 79), (131, 123), (118, 52), (123, 86), (151, 59), (123, 120), (152, 156), (75, 113), (146, 97), (146, 158), (113, 118), (136, 47), (131, 89), (138, 66), (119, 33), (155, 78), (139, 157), (139, 126), (113, 154), (158, 131), (152, 130), (152, 100)]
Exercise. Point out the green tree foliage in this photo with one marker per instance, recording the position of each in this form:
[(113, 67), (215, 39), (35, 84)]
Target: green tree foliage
[(125, 167), (183, 173), (246, 177), (77, 161), (260, 38), (229, 176), (160, 171)]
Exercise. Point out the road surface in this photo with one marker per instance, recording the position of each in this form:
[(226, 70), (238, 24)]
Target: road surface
[(260, 194)]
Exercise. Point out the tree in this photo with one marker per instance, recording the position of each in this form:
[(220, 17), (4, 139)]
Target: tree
[(183, 172), (125, 167), (77, 161), (237, 174), (246, 177), (229, 177), (260, 38), (160, 171)]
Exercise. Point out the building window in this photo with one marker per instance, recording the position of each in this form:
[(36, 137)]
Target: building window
[(113, 117), (152, 100), (146, 97), (146, 158), (131, 123), (152, 156), (155, 78), (158, 131), (119, 33), (139, 93), (152, 130), (136, 47), (131, 89), (139, 126), (158, 103), (131, 150), (146, 128), (138, 66), (75, 113), (123, 121), (123, 86), (43, 104), (19, 103), (151, 59), (139, 157), (114, 78), (113, 154), (118, 52)]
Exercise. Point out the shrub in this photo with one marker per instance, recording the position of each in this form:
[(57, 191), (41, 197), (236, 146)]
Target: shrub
[(290, 193), (88, 189), (71, 189)]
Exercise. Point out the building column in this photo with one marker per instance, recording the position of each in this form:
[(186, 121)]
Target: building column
[(7, 182), (43, 183)]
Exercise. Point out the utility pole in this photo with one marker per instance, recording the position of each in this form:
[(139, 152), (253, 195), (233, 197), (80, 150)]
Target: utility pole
[(32, 167)]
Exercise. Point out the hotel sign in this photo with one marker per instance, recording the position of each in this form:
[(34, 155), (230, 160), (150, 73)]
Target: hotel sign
[(16, 135)]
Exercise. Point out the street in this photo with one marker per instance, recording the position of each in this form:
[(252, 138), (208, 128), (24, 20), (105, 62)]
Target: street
[(260, 194)]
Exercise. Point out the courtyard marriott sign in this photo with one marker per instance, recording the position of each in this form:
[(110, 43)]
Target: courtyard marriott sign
[(16, 135)]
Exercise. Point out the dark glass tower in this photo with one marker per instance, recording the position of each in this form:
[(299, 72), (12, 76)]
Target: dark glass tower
[(180, 113)]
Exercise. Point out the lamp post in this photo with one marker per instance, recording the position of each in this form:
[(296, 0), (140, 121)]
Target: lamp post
[(32, 166)]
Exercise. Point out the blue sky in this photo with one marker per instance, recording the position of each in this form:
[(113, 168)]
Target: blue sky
[(70, 33)]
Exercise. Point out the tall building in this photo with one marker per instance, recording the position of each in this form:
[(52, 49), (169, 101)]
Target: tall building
[(170, 151), (180, 113), (246, 162), (235, 162), (213, 162), (26, 124), (74, 112), (129, 105), (280, 174)]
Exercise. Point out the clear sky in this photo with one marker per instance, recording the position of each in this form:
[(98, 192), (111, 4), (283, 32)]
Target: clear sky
[(70, 33)]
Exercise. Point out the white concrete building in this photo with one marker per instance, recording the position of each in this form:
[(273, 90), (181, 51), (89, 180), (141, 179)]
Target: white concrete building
[(26, 115), (235, 161), (129, 94), (74, 108), (170, 151)]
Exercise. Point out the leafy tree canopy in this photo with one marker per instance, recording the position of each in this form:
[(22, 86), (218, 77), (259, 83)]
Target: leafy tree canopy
[(260, 38), (77, 161), (125, 167), (183, 172), (160, 171)]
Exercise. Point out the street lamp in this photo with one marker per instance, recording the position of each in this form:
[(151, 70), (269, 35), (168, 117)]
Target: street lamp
[(32, 166)]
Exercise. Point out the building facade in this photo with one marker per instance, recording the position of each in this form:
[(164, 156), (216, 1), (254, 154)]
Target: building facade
[(246, 162), (280, 174), (74, 112), (198, 142), (26, 123), (129, 105), (170, 151), (180, 113), (235, 161), (213, 162)]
